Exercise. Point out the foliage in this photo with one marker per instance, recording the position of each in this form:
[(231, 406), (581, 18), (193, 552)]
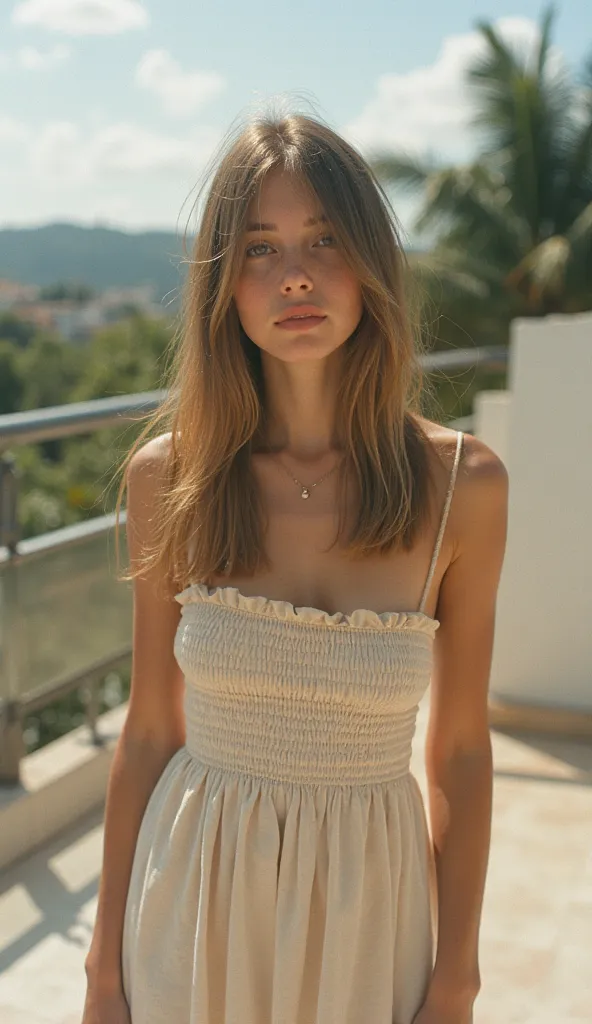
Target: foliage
[(513, 228), (64, 481), (66, 713), (12, 385), (14, 328), (49, 369), (67, 290)]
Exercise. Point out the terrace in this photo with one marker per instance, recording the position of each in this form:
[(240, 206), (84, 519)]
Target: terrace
[(535, 936), (537, 918)]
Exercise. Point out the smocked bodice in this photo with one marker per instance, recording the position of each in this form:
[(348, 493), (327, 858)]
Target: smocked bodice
[(298, 694)]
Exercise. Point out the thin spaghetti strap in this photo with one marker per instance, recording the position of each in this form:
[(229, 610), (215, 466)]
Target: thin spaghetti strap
[(444, 518)]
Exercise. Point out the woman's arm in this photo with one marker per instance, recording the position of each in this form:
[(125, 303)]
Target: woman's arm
[(153, 730), (458, 745)]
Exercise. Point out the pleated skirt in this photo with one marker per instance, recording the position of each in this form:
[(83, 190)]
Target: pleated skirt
[(260, 902)]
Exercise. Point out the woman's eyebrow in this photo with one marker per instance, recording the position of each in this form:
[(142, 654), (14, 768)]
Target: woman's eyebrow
[(255, 226)]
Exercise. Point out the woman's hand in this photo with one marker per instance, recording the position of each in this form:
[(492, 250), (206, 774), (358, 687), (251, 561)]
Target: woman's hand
[(102, 1007)]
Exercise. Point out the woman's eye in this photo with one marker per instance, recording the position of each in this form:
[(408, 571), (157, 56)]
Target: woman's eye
[(257, 245)]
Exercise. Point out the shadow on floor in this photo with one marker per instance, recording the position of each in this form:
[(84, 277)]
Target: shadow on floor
[(59, 907)]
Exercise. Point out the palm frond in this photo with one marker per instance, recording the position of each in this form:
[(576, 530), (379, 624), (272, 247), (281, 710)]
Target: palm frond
[(499, 59), (513, 230), (458, 301), (472, 202), (430, 267), (580, 232), (587, 73), (575, 184), (400, 170), (540, 276), (446, 257), (579, 271), (545, 40), (521, 107)]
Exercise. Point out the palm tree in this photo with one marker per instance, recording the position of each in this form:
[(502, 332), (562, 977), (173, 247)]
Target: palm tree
[(513, 229)]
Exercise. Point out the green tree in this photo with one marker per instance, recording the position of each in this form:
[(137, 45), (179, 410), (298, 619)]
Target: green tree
[(65, 480), (50, 367), (14, 328), (67, 290), (513, 229), (11, 383), (125, 357)]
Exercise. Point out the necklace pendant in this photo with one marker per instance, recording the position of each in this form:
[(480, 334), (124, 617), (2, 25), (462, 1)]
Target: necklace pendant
[(305, 493)]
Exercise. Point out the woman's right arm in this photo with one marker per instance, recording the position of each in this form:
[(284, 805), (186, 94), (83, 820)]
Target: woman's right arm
[(153, 731)]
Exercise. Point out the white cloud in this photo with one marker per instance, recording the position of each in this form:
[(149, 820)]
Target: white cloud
[(55, 152), (128, 149), (81, 171), (81, 17), (180, 92), (123, 150), (13, 133), (428, 110), (120, 171), (32, 59)]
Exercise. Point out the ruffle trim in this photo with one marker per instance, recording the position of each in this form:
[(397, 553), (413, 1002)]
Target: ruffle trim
[(361, 618)]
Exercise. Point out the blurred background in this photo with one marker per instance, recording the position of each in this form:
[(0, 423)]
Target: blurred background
[(477, 118)]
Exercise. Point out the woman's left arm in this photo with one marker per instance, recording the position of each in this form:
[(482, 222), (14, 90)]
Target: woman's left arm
[(458, 752)]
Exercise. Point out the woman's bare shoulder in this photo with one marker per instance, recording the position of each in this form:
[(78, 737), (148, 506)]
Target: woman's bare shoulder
[(480, 497), (478, 465), (153, 453)]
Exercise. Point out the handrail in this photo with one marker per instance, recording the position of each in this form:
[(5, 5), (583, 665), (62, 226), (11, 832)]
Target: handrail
[(33, 426), (47, 424), (57, 540)]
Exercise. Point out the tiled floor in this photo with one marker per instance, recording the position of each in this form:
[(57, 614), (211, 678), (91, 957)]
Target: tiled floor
[(536, 934)]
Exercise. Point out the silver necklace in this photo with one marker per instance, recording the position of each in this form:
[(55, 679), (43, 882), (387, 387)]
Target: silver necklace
[(305, 491)]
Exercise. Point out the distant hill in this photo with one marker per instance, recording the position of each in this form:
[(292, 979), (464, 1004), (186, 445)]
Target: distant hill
[(98, 256)]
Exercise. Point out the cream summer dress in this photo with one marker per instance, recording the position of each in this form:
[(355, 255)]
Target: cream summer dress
[(283, 872)]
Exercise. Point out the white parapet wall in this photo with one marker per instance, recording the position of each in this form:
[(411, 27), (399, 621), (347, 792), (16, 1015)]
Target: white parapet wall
[(542, 429), (60, 783)]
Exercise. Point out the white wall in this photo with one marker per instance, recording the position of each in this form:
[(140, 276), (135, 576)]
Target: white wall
[(492, 417), (542, 429)]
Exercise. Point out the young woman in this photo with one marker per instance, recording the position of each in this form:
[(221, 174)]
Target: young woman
[(308, 552)]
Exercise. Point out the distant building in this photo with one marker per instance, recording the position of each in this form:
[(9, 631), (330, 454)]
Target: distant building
[(13, 292), (77, 321)]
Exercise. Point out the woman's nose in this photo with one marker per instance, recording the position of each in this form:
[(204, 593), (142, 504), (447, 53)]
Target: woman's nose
[(296, 275)]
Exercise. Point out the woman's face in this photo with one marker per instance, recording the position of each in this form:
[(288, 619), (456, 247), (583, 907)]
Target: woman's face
[(290, 262)]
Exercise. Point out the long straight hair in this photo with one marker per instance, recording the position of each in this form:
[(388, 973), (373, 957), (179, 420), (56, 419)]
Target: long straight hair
[(214, 410)]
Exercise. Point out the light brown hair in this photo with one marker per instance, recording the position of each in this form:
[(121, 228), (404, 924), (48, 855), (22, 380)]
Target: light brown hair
[(214, 409)]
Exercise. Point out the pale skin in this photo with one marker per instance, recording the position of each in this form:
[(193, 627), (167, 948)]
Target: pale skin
[(292, 264)]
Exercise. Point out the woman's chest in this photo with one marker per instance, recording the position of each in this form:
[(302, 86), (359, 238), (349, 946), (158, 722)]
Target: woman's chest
[(310, 566)]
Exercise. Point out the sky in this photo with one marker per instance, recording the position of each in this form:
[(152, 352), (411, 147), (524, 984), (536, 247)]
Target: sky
[(111, 110)]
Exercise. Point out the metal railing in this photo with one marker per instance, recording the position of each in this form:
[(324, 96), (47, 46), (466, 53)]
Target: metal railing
[(52, 585)]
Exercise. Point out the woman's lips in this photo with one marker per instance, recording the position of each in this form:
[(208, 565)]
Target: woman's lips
[(301, 323)]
